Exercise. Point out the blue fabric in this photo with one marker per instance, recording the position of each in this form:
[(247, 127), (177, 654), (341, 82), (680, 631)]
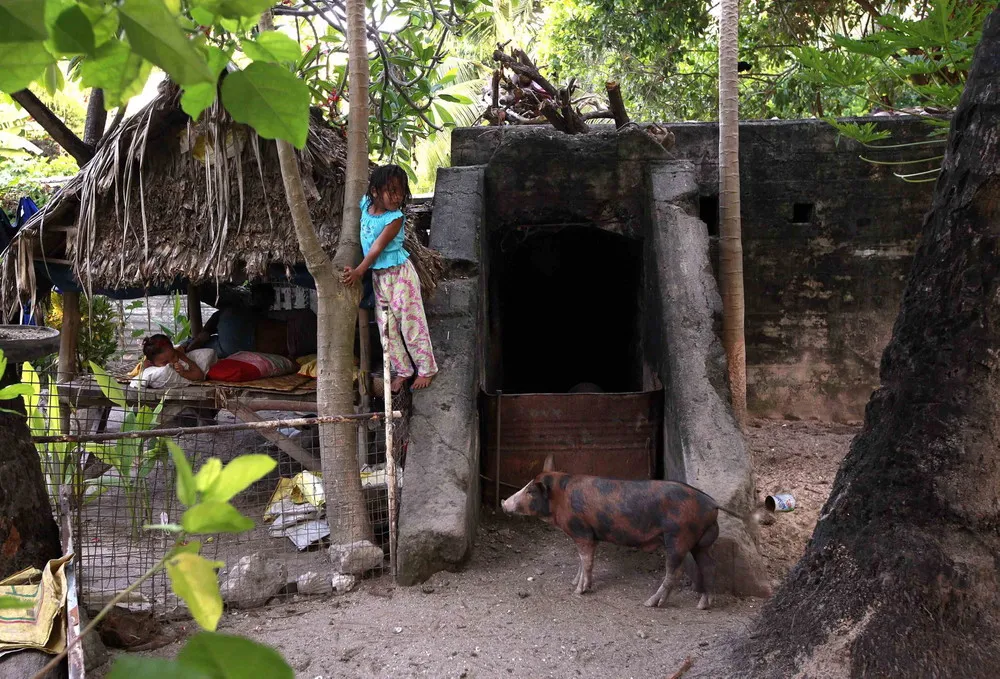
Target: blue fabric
[(237, 331), (25, 209), (371, 228)]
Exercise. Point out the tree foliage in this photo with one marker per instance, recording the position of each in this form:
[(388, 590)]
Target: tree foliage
[(799, 58)]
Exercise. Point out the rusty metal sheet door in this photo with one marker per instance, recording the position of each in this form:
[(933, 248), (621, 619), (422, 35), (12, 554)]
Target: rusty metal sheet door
[(612, 435)]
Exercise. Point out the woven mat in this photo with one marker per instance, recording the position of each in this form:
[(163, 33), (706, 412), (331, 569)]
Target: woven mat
[(299, 384), (286, 384)]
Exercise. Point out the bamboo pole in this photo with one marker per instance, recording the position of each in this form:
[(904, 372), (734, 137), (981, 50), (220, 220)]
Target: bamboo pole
[(390, 457), (364, 370), (69, 335), (194, 309), (214, 428)]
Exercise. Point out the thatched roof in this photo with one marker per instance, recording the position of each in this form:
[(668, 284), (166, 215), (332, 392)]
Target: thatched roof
[(167, 198)]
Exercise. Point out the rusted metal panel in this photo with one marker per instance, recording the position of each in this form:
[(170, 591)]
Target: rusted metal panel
[(612, 435)]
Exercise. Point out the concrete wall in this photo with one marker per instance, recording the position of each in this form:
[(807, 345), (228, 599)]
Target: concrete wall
[(822, 293)]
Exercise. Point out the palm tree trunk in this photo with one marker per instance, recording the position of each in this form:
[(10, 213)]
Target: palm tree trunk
[(730, 242), (336, 320), (900, 576), (29, 535)]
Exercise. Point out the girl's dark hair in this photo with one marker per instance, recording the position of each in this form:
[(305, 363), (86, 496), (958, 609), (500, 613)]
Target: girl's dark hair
[(382, 175), (153, 345)]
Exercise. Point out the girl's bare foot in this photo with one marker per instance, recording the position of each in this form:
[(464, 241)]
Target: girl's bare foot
[(397, 383), (422, 382)]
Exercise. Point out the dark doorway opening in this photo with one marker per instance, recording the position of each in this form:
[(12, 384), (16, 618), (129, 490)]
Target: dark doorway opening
[(567, 310)]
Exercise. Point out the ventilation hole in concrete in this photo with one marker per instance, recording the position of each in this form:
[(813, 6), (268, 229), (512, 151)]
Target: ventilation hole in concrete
[(708, 212), (802, 213)]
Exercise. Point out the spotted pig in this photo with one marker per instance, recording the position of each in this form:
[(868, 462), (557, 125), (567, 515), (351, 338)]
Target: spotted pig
[(643, 514)]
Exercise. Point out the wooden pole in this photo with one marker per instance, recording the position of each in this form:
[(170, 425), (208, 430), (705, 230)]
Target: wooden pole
[(390, 457), (194, 309), (496, 488), (616, 104), (69, 335), (364, 370), (256, 424), (287, 445)]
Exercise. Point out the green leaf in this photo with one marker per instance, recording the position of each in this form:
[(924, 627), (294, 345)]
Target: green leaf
[(215, 517), (53, 79), (185, 479), (203, 16), (12, 391), (238, 475), (108, 453), (22, 21), (145, 419), (53, 411), (242, 25), (269, 99), (109, 386), (21, 64), (129, 667), (227, 656), (198, 97), (456, 98), (274, 47), (72, 32), (193, 579), (29, 377), (103, 21), (13, 603), (234, 9), (153, 32), (208, 474)]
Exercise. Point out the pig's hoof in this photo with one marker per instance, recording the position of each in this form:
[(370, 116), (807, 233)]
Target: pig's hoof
[(704, 603), (653, 601)]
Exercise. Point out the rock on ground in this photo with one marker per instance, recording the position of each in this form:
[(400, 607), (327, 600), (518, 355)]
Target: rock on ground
[(356, 558), (252, 581)]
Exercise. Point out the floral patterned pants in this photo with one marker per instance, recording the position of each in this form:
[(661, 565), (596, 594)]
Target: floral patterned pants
[(399, 287)]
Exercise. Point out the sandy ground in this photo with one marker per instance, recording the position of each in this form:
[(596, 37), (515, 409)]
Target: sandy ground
[(511, 611)]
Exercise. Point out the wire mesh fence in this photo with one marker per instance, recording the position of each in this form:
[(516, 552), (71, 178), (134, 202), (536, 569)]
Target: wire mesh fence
[(122, 480)]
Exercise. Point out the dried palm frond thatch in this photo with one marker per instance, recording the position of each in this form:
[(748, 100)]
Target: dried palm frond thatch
[(167, 198)]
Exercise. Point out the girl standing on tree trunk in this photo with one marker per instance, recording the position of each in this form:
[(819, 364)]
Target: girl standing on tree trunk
[(394, 278)]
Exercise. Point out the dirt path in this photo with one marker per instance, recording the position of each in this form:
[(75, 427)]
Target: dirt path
[(511, 611)]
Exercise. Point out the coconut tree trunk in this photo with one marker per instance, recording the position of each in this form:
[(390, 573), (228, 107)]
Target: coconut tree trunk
[(900, 578), (730, 239), (337, 310)]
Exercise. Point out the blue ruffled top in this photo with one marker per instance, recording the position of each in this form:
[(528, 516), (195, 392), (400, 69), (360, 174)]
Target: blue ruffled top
[(372, 225)]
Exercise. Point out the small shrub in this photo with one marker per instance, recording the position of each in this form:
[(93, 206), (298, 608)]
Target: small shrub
[(99, 325)]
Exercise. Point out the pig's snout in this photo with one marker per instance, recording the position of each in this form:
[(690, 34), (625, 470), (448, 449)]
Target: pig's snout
[(512, 504)]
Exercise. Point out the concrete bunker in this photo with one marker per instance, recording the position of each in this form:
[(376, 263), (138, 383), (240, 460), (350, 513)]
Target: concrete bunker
[(574, 259)]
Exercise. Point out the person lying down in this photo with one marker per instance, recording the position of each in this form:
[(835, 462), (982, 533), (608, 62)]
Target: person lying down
[(167, 366)]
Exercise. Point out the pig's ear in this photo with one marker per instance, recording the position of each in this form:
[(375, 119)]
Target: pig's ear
[(549, 464)]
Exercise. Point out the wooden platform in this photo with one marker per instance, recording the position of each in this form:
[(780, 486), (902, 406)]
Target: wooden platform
[(84, 392), (242, 400)]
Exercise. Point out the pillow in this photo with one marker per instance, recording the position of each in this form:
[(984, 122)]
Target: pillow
[(308, 366), (245, 366)]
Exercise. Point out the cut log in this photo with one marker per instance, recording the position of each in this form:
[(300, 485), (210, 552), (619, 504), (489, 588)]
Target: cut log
[(616, 104)]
